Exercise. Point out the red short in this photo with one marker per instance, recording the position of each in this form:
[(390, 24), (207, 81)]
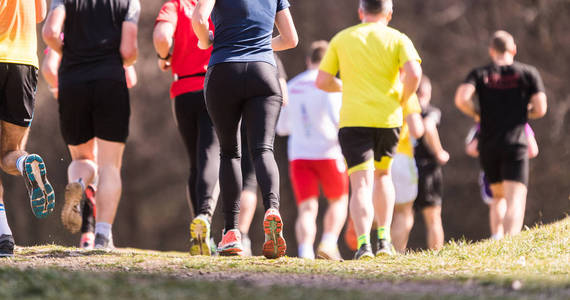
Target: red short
[(307, 174)]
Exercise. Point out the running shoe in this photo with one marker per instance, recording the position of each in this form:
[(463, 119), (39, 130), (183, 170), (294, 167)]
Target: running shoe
[(71, 215), (385, 248), (200, 236), (87, 241), (364, 252), (103, 243), (330, 252), (350, 238), (246, 243), (230, 244), (42, 197), (274, 246), (6, 245)]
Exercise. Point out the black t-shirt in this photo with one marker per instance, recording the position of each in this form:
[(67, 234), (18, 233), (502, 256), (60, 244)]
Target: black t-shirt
[(92, 38), (422, 153), (504, 93)]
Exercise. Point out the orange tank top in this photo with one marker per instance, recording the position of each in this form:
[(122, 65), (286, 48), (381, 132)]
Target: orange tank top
[(18, 38)]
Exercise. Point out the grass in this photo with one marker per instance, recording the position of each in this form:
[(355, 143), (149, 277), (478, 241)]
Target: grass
[(535, 262)]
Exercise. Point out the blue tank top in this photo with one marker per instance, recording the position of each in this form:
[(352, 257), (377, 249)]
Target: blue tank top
[(244, 29)]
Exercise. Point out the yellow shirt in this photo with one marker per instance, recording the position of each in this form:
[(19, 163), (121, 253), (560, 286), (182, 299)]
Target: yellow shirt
[(18, 42), (369, 57), (405, 143)]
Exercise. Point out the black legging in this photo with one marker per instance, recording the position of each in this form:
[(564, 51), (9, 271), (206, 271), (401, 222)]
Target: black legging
[(203, 148), (248, 90)]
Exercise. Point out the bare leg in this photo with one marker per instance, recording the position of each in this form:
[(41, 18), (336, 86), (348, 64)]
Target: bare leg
[(402, 224), (335, 216), (109, 160), (83, 162), (434, 228), (248, 203), (384, 197), (361, 207), (497, 211), (306, 226), (515, 193), (14, 139)]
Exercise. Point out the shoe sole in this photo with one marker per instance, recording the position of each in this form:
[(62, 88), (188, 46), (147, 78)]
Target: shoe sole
[(42, 196), (275, 246), (70, 217), (6, 255), (384, 254), (366, 257), (199, 238), (231, 251), (323, 255)]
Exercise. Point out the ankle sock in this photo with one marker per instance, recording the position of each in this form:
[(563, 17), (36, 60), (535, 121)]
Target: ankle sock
[(104, 229), (4, 228), (306, 251), (329, 239), (363, 239), (20, 163), (384, 233)]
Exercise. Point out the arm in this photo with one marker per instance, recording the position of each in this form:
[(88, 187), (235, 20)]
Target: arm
[(162, 38), (131, 76), (328, 82), (129, 48), (52, 29), (200, 23), (411, 79), (538, 106), (287, 37), (433, 142), (49, 68), (41, 10), (471, 148), (463, 101), (415, 125)]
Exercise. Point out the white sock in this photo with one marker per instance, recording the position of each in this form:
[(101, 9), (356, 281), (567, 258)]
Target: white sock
[(329, 239), (104, 229), (306, 251), (496, 236), (20, 163), (4, 228), (80, 181)]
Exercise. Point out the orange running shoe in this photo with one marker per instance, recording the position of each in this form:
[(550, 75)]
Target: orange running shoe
[(350, 238), (230, 244), (274, 246)]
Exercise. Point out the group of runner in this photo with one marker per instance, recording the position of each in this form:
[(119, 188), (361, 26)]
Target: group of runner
[(228, 90)]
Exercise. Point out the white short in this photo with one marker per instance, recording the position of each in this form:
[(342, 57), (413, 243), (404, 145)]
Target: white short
[(405, 178)]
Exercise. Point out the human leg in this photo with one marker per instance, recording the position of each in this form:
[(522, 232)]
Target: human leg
[(515, 195), (434, 228), (402, 224), (306, 227), (248, 197)]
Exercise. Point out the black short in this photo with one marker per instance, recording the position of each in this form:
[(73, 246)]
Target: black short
[(94, 109), (430, 185), (505, 163), (18, 85), (366, 148)]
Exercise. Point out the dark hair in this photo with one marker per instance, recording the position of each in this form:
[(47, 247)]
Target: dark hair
[(317, 51), (376, 6), (502, 41)]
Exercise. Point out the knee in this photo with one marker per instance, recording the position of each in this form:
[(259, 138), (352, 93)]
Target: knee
[(259, 151)]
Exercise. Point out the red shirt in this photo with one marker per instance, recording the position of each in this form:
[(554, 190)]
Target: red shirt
[(187, 58)]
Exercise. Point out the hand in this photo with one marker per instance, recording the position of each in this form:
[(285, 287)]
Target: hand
[(442, 157), (164, 65)]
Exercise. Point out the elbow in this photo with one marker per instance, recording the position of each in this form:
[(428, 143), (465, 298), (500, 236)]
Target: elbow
[(160, 40), (320, 83), (417, 132), (293, 41), (49, 34), (129, 55)]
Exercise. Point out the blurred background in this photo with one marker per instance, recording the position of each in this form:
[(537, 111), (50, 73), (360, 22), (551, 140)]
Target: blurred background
[(451, 37)]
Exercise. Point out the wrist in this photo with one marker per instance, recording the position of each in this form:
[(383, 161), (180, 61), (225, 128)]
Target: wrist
[(168, 56)]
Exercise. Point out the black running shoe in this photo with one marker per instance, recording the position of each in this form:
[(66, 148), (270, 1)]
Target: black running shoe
[(364, 252), (385, 248), (6, 245)]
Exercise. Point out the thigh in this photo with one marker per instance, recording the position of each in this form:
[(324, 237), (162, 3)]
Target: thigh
[(87, 150), (75, 113), (186, 121), (385, 144), (357, 144), (333, 177), (13, 137), (515, 166), (109, 153), (405, 178), (490, 160), (111, 110), (19, 90), (304, 180)]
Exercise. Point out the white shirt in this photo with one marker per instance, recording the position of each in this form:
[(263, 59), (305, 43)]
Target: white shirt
[(311, 119)]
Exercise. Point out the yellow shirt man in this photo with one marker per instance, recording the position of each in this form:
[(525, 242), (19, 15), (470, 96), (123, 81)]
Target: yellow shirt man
[(18, 39)]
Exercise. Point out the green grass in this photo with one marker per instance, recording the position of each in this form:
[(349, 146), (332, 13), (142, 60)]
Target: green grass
[(538, 258)]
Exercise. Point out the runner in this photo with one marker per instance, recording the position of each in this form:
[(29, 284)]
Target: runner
[(189, 64), (93, 101), (430, 157), (86, 207), (497, 209), (311, 121), (509, 94), (242, 82), (405, 173), (248, 198), (369, 57), (18, 78)]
